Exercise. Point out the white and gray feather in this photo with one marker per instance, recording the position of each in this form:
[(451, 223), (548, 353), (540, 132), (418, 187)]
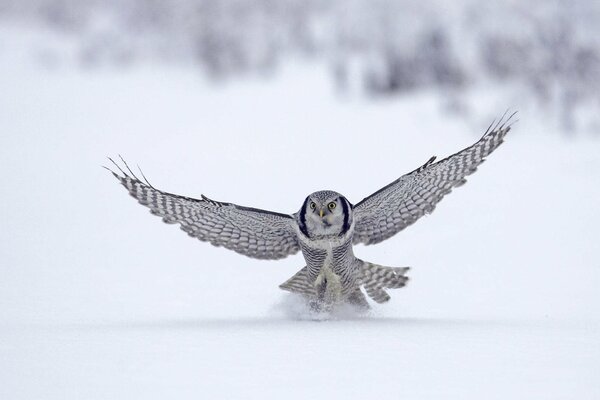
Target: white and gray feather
[(327, 225), (249, 231), (399, 204)]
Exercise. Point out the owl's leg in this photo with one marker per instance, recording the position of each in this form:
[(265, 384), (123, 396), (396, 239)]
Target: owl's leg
[(325, 298), (317, 305), (376, 278)]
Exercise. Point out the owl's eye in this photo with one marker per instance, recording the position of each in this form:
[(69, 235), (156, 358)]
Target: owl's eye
[(331, 205), (312, 205)]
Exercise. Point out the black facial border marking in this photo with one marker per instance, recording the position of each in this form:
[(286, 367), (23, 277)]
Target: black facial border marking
[(346, 211), (302, 222)]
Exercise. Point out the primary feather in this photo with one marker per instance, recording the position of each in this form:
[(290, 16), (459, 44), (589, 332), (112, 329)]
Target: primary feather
[(249, 231), (402, 202)]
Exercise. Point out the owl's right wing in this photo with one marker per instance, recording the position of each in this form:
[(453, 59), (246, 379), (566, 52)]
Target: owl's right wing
[(399, 204), (249, 231)]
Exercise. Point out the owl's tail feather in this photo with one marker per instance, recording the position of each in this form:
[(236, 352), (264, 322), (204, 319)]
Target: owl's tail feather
[(374, 278), (377, 277), (299, 284)]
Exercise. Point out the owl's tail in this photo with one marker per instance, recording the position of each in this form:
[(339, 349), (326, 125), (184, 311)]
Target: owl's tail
[(374, 278), (300, 284)]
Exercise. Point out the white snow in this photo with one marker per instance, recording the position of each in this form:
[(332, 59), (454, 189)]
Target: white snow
[(100, 300)]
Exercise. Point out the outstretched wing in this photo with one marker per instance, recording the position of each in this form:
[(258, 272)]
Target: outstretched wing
[(399, 204), (252, 232)]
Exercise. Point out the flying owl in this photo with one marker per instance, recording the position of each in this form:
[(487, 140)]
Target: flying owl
[(326, 227)]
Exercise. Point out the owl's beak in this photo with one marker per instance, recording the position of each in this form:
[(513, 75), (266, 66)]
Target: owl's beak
[(321, 212)]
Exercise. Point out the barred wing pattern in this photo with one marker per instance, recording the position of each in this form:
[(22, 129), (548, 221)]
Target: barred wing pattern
[(252, 232), (399, 204)]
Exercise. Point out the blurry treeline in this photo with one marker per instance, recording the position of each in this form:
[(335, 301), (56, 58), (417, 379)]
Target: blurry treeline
[(382, 47)]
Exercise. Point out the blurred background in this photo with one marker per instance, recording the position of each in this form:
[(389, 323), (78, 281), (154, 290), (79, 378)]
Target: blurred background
[(543, 55), (261, 103)]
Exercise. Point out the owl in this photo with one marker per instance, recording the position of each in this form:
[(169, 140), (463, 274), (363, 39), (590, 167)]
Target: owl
[(326, 227)]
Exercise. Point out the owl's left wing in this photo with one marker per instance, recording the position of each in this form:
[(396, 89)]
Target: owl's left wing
[(249, 231), (399, 204)]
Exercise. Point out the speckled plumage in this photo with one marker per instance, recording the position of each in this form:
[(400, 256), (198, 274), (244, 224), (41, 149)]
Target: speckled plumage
[(326, 227)]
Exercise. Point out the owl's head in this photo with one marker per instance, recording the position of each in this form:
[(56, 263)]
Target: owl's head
[(325, 213)]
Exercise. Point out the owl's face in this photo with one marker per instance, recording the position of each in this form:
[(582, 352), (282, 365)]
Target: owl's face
[(325, 213)]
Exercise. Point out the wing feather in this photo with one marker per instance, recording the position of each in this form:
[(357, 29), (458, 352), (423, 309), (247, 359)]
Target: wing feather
[(399, 204), (249, 231)]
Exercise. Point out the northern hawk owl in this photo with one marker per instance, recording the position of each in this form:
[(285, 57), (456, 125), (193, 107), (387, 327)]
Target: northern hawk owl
[(326, 227)]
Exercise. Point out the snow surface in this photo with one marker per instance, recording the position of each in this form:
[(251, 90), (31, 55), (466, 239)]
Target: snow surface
[(100, 300)]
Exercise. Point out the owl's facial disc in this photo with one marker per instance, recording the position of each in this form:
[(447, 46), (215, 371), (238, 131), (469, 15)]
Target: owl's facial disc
[(325, 214)]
